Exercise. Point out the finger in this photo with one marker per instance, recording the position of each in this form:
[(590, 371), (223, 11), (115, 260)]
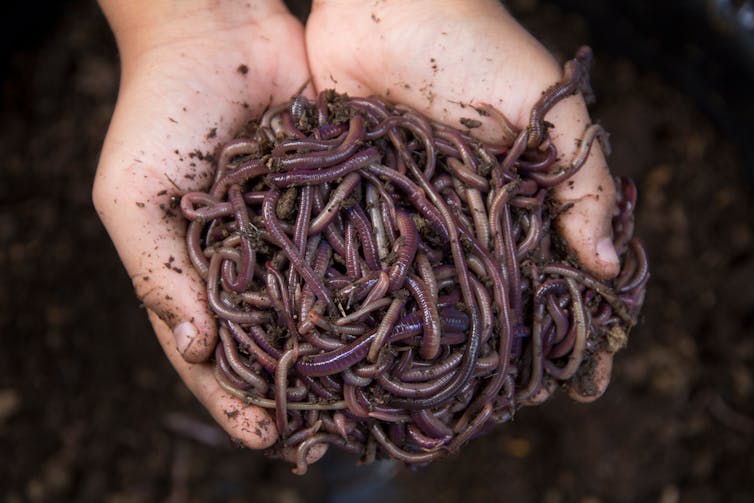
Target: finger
[(149, 237), (593, 378), (544, 392), (174, 109), (136, 186), (248, 424), (589, 194)]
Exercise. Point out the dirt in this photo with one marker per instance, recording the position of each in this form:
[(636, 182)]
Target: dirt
[(90, 409)]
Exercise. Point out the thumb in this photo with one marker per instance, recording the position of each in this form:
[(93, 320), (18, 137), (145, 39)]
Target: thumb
[(144, 168), (150, 239), (588, 197), (246, 423)]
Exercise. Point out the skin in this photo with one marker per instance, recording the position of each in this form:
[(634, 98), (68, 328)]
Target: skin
[(180, 78), (439, 56), (183, 88), (423, 52)]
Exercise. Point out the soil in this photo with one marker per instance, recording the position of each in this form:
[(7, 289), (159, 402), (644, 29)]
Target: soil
[(90, 409)]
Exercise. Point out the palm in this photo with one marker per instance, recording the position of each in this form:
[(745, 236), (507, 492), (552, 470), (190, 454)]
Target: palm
[(175, 107), (178, 101), (437, 59), (441, 56)]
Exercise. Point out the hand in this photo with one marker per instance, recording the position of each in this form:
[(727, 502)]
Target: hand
[(192, 73), (436, 55)]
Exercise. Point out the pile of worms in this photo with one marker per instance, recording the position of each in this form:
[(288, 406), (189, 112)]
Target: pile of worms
[(393, 286)]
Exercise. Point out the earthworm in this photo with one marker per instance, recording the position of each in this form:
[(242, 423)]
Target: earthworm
[(430, 346), (337, 360), (575, 78), (294, 256), (467, 176), (407, 246), (385, 327), (372, 201), (235, 362), (316, 177), (532, 238), (430, 425), (424, 269), (364, 310), (289, 146), (277, 290), (463, 374), (224, 366), (419, 439), (301, 229), (432, 371), (641, 275), (233, 152), (398, 453), (535, 377), (217, 305), (478, 216), (414, 389), (415, 195), (391, 285), (353, 269), (579, 158), (509, 130), (579, 320), (456, 138), (320, 438), (304, 433), (330, 211), (380, 288), (366, 235), (209, 208), (249, 169), (256, 353), (281, 384), (316, 160), (353, 402), (269, 403), (343, 329), (543, 162)]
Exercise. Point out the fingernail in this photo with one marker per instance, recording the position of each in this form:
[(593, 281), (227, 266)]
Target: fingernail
[(606, 251), (185, 332)]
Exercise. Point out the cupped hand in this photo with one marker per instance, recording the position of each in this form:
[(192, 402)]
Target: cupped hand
[(439, 56), (192, 73)]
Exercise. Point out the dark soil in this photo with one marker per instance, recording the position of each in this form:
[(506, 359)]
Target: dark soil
[(90, 410)]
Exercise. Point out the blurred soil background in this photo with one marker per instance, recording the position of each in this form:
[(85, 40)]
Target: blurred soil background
[(90, 409)]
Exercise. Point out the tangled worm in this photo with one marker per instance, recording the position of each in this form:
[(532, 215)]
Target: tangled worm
[(393, 286)]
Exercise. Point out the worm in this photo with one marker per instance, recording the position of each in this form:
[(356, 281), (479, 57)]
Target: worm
[(316, 160), (317, 177), (293, 255), (366, 235), (407, 246), (430, 346), (393, 286), (281, 385), (575, 78), (330, 211)]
